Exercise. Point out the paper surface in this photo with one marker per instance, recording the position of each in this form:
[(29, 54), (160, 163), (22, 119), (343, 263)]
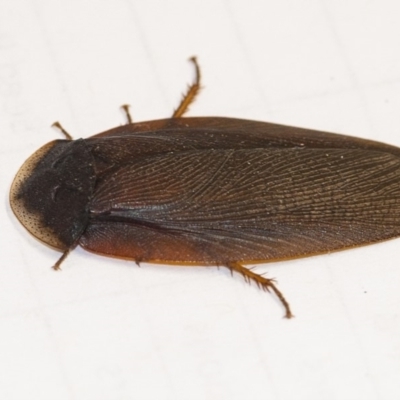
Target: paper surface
[(106, 329)]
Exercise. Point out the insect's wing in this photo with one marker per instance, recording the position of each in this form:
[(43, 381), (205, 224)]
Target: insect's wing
[(217, 206), (183, 134), (119, 146)]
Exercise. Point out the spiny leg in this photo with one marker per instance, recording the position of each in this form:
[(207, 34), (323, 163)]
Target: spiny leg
[(191, 93), (58, 126), (125, 107), (262, 282)]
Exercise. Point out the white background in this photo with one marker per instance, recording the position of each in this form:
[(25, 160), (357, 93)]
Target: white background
[(106, 329)]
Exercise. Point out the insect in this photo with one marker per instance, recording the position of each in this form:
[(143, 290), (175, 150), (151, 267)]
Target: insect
[(210, 191)]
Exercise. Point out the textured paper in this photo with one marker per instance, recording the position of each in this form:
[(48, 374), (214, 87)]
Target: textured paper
[(106, 329)]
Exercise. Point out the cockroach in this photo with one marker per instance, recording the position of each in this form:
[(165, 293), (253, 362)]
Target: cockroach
[(210, 191)]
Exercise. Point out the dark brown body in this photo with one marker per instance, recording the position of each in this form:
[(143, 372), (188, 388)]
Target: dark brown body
[(216, 190), (210, 191)]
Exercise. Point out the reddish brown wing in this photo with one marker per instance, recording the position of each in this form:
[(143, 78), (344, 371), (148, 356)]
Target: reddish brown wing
[(216, 206), (198, 133), (119, 146)]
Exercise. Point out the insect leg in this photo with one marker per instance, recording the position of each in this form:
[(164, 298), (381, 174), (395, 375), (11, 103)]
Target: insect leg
[(125, 107), (262, 282), (191, 93), (58, 126), (56, 266)]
